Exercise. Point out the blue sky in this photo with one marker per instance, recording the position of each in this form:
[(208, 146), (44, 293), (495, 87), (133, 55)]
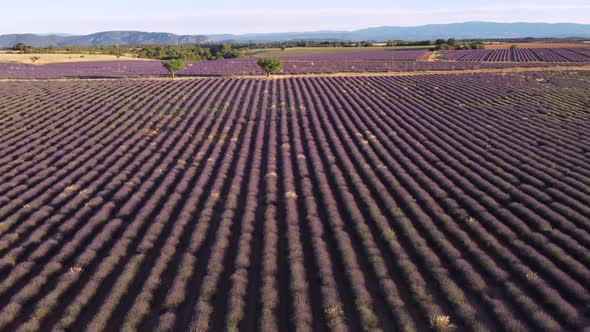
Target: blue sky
[(197, 17)]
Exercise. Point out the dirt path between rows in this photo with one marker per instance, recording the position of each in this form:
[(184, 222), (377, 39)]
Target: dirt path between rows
[(342, 74)]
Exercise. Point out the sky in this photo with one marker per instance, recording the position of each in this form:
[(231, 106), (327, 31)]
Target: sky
[(257, 16)]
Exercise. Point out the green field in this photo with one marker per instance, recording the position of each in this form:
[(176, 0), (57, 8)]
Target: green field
[(319, 50)]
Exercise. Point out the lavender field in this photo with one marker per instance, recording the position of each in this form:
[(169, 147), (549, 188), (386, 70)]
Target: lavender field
[(410, 203), (580, 54), (244, 66), (329, 62)]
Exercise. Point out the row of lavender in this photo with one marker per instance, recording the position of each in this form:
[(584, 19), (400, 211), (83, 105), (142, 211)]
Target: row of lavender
[(522, 55), (363, 203), (245, 66)]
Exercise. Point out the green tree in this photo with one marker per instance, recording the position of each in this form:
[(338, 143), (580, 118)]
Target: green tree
[(477, 45), (270, 65), (22, 47), (513, 47), (173, 66), (444, 47), (225, 51)]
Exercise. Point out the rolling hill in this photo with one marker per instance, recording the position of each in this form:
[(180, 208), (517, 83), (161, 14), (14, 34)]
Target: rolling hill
[(101, 38), (467, 30)]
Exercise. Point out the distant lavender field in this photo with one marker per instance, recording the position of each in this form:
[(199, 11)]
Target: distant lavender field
[(99, 69), (354, 62), (521, 55), (408, 55)]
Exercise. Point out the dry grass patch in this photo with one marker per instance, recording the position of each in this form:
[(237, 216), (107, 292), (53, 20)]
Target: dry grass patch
[(75, 269), (334, 311), (441, 323), (43, 59)]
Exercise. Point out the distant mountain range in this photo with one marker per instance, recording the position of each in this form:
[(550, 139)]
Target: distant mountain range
[(467, 30), (101, 39)]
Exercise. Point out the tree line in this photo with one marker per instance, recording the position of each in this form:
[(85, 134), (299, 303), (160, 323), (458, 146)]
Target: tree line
[(188, 52), (215, 51), (454, 44)]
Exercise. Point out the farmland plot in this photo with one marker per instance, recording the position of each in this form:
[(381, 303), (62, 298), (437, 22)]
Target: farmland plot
[(346, 203), (247, 66), (579, 54)]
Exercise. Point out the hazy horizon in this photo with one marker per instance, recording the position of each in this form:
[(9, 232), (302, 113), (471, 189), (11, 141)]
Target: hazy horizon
[(277, 32), (264, 16)]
